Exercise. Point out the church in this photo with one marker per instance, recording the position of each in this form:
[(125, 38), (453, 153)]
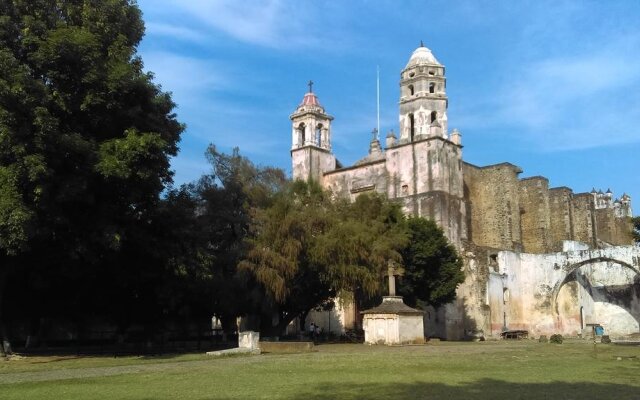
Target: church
[(536, 258)]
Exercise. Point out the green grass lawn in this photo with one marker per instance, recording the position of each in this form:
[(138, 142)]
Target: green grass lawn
[(486, 370)]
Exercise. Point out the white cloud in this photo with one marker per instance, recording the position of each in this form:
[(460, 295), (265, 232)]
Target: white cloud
[(173, 31), (271, 23), (569, 102)]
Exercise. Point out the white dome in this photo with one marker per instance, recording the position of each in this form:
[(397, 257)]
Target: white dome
[(422, 56)]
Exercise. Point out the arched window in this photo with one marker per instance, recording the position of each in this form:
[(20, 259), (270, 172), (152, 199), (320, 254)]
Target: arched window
[(412, 126), (432, 87), (411, 90), (434, 116), (319, 135), (301, 134)]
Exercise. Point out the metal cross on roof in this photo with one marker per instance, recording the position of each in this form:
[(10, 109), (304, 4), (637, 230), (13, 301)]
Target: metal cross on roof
[(310, 84)]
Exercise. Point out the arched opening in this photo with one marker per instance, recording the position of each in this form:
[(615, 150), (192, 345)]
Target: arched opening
[(411, 91), (302, 134), (412, 126), (434, 116), (432, 87), (598, 291), (319, 135)]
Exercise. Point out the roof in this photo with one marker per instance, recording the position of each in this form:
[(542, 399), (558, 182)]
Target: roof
[(310, 99), (422, 56), (392, 305)]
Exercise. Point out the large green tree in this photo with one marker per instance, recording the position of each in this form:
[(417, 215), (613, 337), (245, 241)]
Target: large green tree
[(85, 142), (307, 248), (228, 197), (432, 268)]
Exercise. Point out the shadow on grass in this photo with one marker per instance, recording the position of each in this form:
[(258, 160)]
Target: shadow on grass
[(483, 389)]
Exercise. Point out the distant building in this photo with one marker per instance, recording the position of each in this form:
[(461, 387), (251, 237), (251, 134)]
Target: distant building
[(496, 219)]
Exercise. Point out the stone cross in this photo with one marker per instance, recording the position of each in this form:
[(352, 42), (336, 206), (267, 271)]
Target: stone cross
[(392, 279)]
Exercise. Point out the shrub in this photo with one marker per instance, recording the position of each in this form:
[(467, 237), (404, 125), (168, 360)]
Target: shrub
[(605, 339), (543, 339), (556, 339)]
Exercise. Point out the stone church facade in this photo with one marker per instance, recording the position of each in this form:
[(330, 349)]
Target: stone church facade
[(495, 218)]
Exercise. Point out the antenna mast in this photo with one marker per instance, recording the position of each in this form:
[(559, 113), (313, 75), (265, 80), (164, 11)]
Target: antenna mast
[(378, 101)]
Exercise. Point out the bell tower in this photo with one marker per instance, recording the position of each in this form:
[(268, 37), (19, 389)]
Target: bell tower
[(423, 97), (311, 154)]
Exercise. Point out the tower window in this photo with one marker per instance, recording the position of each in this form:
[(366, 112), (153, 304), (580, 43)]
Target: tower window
[(301, 130), (434, 116), (412, 74), (319, 135), (432, 87), (412, 126), (432, 72), (411, 91)]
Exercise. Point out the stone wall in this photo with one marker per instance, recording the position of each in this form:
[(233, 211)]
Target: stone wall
[(535, 220), (348, 183), (583, 219), (311, 162), (492, 195), (611, 229), (562, 292), (560, 217)]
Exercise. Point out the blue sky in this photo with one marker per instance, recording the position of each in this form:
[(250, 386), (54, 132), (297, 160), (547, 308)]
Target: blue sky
[(551, 86)]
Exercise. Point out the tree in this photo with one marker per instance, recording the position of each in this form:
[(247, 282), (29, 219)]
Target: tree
[(306, 249), (85, 142), (228, 197), (636, 229), (432, 268)]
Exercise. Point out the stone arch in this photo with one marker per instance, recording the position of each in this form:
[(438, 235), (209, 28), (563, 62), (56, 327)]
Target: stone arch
[(575, 266)]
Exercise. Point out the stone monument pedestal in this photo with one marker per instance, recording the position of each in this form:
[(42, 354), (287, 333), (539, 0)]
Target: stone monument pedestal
[(393, 323)]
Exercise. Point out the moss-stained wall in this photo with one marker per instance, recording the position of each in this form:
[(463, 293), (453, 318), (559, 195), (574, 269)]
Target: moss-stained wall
[(534, 214), (561, 217), (611, 229), (492, 193), (583, 218)]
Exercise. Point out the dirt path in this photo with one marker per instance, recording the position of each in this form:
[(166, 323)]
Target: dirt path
[(80, 373)]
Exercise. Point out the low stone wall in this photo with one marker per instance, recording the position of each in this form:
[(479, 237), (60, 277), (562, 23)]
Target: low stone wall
[(286, 347)]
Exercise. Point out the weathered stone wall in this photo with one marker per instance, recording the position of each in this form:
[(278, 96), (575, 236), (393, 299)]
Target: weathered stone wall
[(424, 176), (583, 219), (560, 217), (492, 195), (535, 220), (348, 183), (311, 162), (562, 292), (611, 229)]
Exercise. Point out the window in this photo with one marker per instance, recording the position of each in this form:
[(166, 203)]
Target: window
[(301, 134), (319, 135), (432, 87), (432, 72), (412, 126), (411, 91), (434, 116)]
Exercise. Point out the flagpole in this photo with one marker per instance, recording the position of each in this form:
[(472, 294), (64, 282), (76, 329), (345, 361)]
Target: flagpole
[(378, 99)]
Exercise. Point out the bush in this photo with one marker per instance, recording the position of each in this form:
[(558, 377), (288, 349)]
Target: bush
[(556, 339), (543, 339), (605, 339)]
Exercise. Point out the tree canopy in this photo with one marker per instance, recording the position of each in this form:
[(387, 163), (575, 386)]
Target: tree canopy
[(432, 268), (307, 248), (85, 141)]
